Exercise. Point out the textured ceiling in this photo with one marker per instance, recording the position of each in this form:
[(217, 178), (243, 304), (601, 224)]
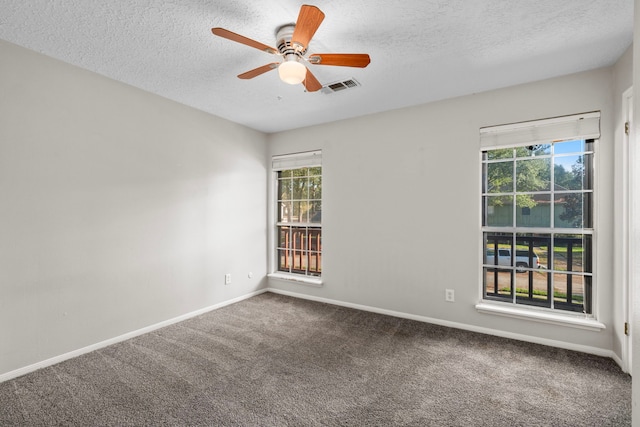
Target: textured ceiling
[(421, 50)]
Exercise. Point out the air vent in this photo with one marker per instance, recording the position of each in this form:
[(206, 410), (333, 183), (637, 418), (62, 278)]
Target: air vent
[(340, 86)]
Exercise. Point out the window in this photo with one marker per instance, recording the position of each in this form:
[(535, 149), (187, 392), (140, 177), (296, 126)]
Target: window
[(537, 213), (298, 248)]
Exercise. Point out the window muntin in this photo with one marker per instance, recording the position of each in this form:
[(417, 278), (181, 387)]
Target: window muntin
[(538, 207), (299, 218)]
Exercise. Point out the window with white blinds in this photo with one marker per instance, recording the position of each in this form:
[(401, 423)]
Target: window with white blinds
[(298, 204), (537, 212)]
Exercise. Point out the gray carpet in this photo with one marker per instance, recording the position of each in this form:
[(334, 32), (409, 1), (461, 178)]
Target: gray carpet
[(278, 361)]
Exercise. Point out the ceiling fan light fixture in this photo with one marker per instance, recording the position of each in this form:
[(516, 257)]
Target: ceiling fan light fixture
[(291, 71), (292, 43)]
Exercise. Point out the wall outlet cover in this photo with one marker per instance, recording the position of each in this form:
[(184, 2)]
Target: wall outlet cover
[(449, 295)]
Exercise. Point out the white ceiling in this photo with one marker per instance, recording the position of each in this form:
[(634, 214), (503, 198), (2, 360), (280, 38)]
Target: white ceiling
[(421, 50)]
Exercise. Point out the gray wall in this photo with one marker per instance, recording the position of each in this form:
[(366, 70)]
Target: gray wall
[(120, 209), (401, 205)]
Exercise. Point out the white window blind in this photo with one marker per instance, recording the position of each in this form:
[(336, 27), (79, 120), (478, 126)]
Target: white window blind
[(579, 126), (297, 160)]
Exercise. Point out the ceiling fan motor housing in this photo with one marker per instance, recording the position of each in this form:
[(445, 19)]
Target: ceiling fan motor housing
[(291, 70), (283, 37)]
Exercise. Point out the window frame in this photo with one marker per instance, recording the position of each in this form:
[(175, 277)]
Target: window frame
[(511, 307), (295, 161)]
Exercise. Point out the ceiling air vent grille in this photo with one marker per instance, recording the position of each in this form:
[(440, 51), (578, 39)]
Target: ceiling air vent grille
[(340, 86)]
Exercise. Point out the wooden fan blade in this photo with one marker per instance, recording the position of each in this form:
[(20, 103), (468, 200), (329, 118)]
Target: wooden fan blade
[(359, 60), (221, 32), (257, 71), (309, 20), (311, 83)]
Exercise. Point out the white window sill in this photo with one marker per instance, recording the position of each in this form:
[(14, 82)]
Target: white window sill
[(296, 278), (573, 321)]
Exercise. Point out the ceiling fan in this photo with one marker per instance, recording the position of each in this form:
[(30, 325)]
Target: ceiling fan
[(292, 41)]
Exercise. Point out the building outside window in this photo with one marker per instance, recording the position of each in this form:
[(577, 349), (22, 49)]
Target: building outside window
[(298, 242), (537, 213)]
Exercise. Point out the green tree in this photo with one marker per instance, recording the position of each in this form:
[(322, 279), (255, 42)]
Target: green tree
[(573, 202), (531, 174)]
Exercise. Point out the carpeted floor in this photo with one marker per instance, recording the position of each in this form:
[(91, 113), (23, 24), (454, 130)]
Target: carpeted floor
[(273, 360)]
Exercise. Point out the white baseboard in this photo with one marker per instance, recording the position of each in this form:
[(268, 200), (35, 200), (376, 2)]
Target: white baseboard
[(75, 353), (620, 363), (520, 337)]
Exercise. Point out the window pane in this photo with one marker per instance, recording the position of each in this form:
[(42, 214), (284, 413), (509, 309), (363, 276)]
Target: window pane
[(284, 260), (533, 150), (315, 188), (571, 253), (284, 237), (315, 239), (299, 211), (315, 212), (498, 243), (298, 238), (533, 175), (532, 287), (571, 210), (304, 211), (533, 210), (317, 171), (503, 153), (299, 262), (498, 211), (569, 172), (532, 250), (315, 263), (569, 290), (285, 211), (300, 188), (499, 178), (497, 283), (302, 172), (285, 174), (284, 189), (573, 146)]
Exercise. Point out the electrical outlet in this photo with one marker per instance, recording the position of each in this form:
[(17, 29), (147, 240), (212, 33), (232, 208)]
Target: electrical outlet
[(227, 279), (449, 295)]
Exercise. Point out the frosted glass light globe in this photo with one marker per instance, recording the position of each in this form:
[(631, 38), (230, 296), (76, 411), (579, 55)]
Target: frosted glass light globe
[(292, 72)]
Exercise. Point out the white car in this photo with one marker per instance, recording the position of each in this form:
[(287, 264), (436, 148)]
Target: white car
[(521, 261)]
